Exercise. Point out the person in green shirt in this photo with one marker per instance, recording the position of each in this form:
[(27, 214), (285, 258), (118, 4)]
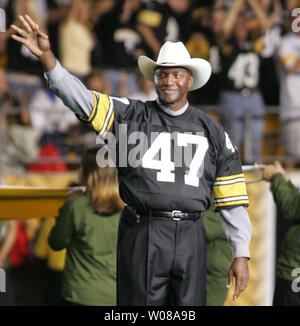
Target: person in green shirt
[(87, 227), (218, 258), (287, 199)]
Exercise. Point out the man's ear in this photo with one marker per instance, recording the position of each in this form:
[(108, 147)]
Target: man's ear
[(191, 80)]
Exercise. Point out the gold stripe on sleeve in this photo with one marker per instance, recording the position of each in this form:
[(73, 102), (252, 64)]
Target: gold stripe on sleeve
[(94, 108), (230, 190), (102, 109), (230, 177)]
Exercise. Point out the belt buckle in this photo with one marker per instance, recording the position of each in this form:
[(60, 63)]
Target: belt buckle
[(173, 215)]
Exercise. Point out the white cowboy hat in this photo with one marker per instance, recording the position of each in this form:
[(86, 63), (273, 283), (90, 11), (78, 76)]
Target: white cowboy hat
[(175, 54)]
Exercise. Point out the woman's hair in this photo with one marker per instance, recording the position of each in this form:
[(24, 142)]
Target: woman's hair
[(101, 184)]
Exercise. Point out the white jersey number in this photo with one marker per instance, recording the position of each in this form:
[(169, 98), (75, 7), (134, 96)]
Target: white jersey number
[(165, 166), (163, 144), (244, 71)]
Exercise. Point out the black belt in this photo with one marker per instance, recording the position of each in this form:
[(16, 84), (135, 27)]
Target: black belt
[(175, 215)]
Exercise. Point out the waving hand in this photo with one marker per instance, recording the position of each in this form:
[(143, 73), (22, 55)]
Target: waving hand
[(35, 40)]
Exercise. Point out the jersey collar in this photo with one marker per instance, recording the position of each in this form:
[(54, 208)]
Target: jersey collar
[(172, 112)]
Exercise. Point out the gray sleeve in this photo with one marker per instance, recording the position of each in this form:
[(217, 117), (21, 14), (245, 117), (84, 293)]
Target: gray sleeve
[(238, 230), (71, 90)]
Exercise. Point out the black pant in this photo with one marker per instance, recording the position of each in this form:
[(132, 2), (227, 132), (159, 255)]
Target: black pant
[(161, 262), (284, 294)]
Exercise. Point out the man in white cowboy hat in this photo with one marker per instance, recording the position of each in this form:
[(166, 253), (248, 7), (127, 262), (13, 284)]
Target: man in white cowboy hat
[(187, 156)]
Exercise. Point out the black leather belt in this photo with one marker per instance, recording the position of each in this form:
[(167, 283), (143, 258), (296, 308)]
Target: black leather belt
[(174, 215), (133, 216)]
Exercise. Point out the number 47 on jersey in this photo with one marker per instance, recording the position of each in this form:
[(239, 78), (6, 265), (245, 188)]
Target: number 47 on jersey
[(165, 165)]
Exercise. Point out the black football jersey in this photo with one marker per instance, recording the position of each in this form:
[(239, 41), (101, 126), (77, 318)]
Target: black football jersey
[(240, 66), (168, 162)]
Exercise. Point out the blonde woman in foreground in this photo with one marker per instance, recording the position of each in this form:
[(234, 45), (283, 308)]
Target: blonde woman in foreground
[(87, 227)]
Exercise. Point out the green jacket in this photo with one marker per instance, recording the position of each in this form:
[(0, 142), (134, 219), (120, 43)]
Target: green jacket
[(287, 199), (219, 258), (89, 277)]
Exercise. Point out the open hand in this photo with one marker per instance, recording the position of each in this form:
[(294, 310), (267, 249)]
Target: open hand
[(239, 271), (31, 36)]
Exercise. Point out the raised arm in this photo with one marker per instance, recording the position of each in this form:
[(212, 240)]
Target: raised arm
[(70, 89), (231, 17), (286, 195), (96, 109), (266, 21), (149, 38)]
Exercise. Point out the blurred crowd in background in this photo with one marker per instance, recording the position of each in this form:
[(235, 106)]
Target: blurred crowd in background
[(249, 43), (255, 59)]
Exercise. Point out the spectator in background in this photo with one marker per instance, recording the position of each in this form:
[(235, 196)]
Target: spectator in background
[(3, 49), (50, 265), (76, 40), (53, 121), (21, 143), (15, 258), (266, 25), (289, 65), (265, 14), (98, 81), (7, 98), (56, 125), (8, 232), (57, 11), (146, 90), (291, 4), (22, 269), (100, 8), (242, 114), (119, 40), (161, 22), (87, 227), (287, 200), (210, 37), (270, 22), (49, 114), (205, 42), (49, 159)]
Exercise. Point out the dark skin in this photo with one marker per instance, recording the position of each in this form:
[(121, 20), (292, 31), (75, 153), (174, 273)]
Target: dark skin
[(172, 86), (239, 271)]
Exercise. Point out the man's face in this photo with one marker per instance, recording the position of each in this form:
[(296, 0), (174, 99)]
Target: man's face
[(172, 85)]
